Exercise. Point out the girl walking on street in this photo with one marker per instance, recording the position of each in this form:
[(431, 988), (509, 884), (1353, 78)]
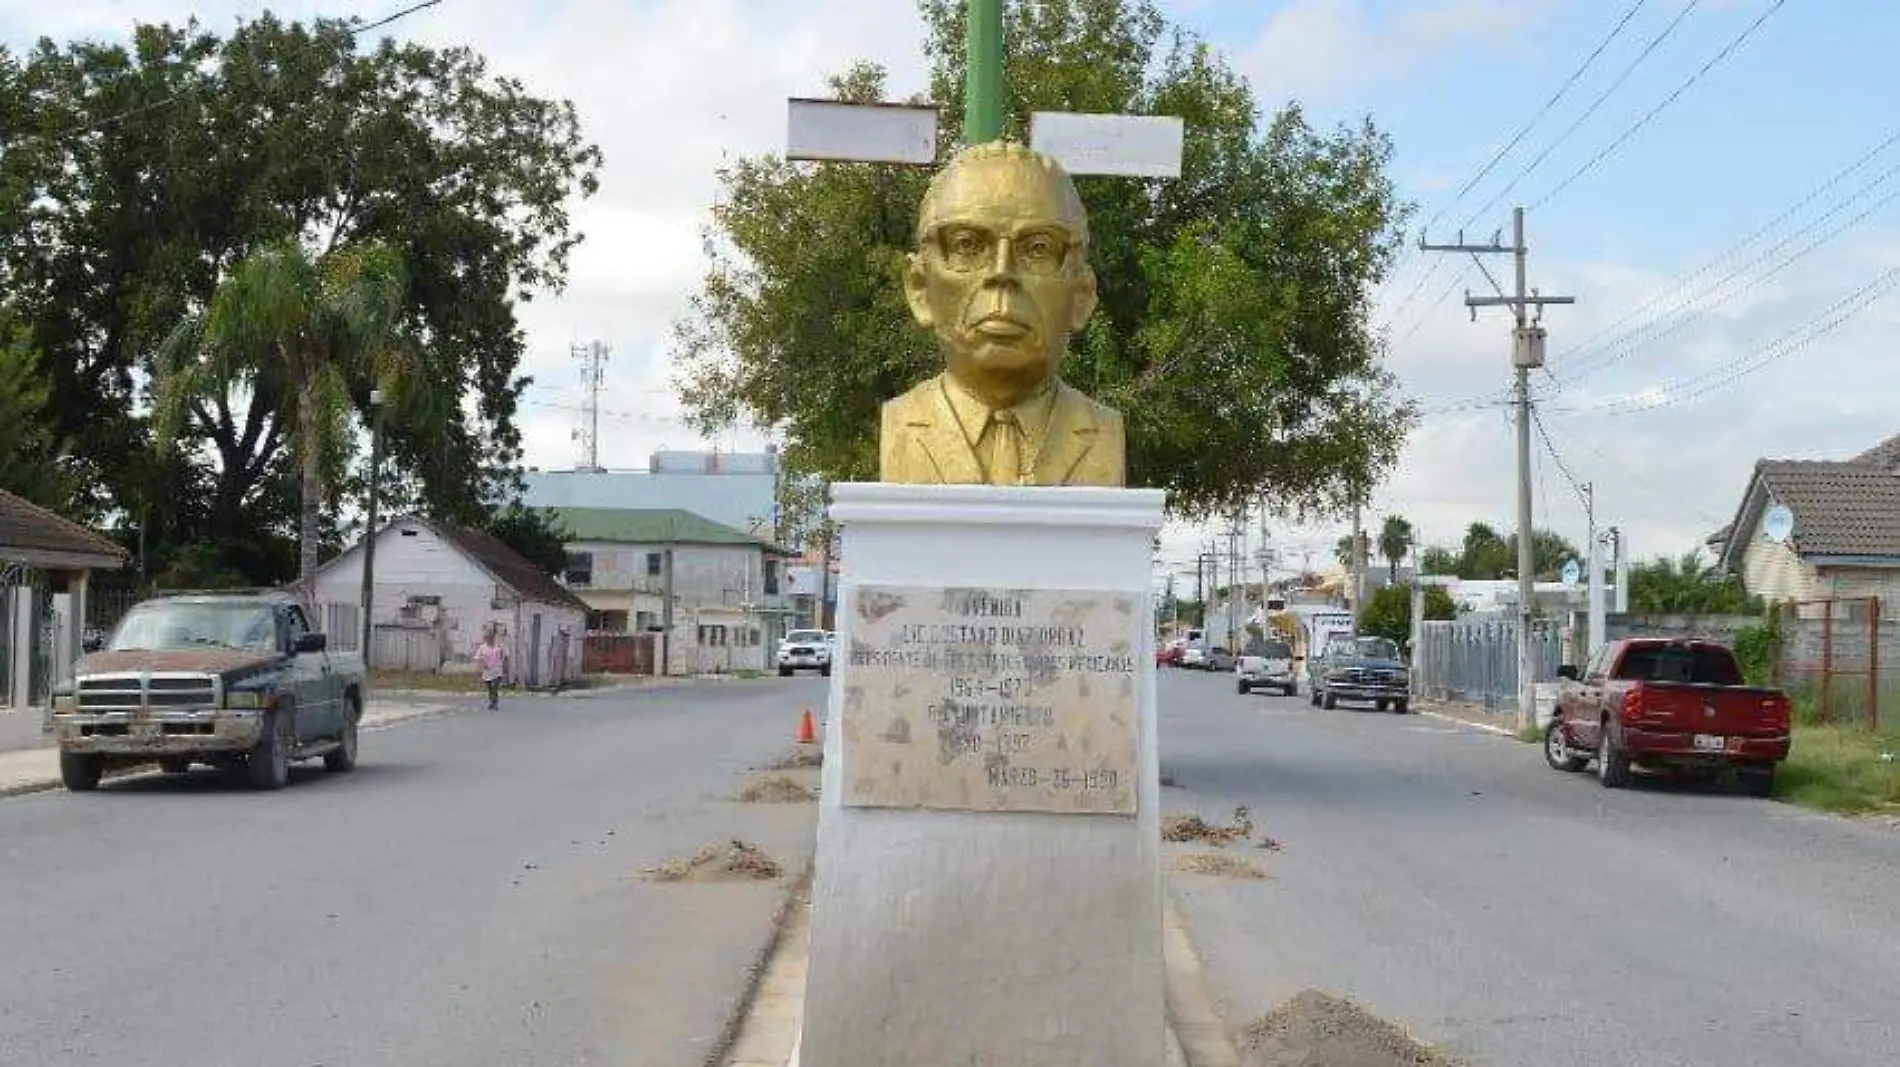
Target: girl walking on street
[(491, 661)]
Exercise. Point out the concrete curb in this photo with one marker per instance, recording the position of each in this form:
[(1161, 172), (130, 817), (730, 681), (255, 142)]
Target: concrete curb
[(1485, 726), (43, 785), (752, 1035), (1194, 1017)]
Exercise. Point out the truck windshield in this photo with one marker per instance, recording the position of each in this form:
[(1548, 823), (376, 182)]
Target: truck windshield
[(1679, 663), (1372, 648), (170, 626), (806, 637)]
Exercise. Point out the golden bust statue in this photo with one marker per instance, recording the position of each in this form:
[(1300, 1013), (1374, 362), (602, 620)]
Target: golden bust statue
[(1001, 276)]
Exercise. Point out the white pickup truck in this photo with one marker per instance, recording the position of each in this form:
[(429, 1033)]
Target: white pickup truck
[(1266, 663)]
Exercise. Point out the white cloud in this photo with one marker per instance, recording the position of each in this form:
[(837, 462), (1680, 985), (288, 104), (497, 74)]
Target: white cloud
[(1327, 49)]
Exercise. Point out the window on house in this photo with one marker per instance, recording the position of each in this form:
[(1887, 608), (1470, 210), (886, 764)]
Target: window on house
[(655, 562), (580, 568), (771, 577), (646, 620), (613, 622), (712, 636)]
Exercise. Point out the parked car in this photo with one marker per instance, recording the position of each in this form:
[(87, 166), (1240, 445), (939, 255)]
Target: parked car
[(1194, 655), (1266, 663), (804, 650), (1667, 704), (1218, 659), (233, 679), (1364, 670)]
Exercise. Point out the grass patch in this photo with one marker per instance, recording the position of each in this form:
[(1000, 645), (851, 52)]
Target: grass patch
[(1844, 769), (1194, 828), (1530, 735), (749, 674)]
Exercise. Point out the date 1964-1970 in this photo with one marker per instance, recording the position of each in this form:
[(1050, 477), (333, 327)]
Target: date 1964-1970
[(1060, 778)]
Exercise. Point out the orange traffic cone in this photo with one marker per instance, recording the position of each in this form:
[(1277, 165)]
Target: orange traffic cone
[(807, 733)]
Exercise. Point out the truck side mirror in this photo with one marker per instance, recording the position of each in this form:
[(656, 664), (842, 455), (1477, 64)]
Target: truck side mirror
[(1567, 672), (312, 642), (91, 643)]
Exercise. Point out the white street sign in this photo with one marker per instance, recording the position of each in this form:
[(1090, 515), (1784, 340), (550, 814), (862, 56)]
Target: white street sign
[(1131, 146), (861, 133)]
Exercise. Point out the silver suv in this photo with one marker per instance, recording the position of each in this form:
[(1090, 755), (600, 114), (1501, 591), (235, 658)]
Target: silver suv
[(804, 650)]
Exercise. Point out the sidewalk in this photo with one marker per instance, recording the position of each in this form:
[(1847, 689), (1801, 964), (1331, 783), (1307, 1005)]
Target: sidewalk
[(36, 769)]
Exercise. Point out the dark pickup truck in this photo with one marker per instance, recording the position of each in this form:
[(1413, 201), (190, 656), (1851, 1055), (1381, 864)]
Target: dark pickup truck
[(1667, 704)]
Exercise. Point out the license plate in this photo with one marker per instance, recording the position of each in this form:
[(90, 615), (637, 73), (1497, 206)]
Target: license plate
[(1710, 742)]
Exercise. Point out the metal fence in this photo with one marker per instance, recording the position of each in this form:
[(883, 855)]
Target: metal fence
[(1834, 657), (1475, 659)]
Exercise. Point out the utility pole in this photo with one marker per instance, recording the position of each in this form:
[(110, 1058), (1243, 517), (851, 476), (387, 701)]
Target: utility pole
[(1358, 557), (1233, 585), (1595, 555), (593, 359), (983, 85), (1527, 354), (1622, 570), (367, 631)]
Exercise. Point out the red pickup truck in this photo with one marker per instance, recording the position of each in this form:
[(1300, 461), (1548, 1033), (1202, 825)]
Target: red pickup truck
[(1667, 703)]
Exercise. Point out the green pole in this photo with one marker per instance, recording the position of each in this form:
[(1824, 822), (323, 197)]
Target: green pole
[(983, 85)]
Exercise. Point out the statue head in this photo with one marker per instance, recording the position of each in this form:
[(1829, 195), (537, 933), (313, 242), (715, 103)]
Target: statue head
[(1001, 272)]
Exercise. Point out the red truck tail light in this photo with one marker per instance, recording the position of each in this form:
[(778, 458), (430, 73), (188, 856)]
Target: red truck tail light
[(1633, 704), (1776, 711)]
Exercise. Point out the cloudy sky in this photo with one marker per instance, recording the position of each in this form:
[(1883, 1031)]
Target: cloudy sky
[(1687, 188)]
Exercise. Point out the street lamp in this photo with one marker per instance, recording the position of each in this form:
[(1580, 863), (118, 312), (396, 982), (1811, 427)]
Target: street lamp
[(369, 537)]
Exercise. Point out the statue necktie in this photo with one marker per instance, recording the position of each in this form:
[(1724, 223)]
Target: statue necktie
[(1006, 457)]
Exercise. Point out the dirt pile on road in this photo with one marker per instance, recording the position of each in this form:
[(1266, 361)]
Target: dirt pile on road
[(1317, 1029), (801, 757), (1215, 865), (777, 789), (1193, 828), (730, 861)]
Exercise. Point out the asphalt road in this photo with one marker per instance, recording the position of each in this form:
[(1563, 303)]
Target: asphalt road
[(470, 896), (1514, 915)]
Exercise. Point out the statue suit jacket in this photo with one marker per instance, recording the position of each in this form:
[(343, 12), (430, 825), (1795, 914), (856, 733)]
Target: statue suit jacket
[(921, 441)]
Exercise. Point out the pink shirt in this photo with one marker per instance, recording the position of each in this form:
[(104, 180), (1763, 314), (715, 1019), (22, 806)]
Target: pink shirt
[(488, 661)]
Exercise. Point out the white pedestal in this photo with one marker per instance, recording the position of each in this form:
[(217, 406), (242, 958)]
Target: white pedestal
[(1001, 937)]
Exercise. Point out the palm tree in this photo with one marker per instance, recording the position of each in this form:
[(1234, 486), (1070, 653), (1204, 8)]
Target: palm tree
[(1395, 540), (307, 332)]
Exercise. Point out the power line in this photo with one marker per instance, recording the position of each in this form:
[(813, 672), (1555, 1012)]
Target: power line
[(1592, 341), (1650, 334), (1591, 163), (1555, 97), (1634, 477), (404, 13), (1648, 49), (1832, 318), (1576, 485), (1513, 142), (99, 124)]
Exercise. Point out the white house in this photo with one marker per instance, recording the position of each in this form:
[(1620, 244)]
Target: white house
[(729, 595), (437, 587)]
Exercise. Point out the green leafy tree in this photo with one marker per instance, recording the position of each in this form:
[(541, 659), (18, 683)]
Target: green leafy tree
[(1388, 612), (1438, 561), (32, 464), (1233, 328), (305, 331), (1688, 586), (1395, 540), (134, 177), (1486, 555), (538, 535)]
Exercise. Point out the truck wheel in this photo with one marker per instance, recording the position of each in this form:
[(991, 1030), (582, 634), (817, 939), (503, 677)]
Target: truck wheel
[(825, 671), (1613, 764), (1401, 707), (268, 766), (784, 672), (174, 765), (79, 772), (1379, 706), (1758, 783), (1293, 690), (1240, 686), (1557, 751), (1313, 698), (1328, 701), (342, 758)]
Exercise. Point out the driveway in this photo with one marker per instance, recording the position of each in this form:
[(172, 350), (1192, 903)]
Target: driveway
[(1514, 915)]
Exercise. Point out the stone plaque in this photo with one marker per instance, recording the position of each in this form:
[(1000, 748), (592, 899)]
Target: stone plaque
[(991, 699)]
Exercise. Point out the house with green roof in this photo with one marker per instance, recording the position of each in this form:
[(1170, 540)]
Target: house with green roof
[(728, 604)]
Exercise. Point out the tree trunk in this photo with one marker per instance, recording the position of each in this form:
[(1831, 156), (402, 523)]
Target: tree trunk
[(312, 480)]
